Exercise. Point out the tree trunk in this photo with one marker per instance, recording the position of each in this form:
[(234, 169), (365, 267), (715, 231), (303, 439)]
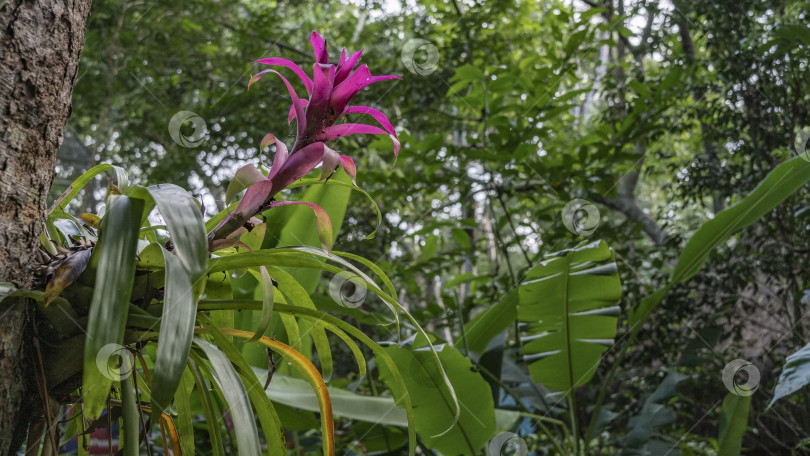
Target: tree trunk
[(40, 46)]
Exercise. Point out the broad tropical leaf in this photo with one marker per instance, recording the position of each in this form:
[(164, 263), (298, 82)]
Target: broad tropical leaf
[(433, 404), (570, 305), (795, 374), (779, 184)]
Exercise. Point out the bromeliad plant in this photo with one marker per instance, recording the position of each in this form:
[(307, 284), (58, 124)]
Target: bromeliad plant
[(330, 90), (119, 285)]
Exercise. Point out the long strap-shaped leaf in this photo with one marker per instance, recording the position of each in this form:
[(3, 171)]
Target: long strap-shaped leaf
[(268, 417), (211, 419), (310, 373), (297, 295), (108, 309), (176, 332), (232, 388), (569, 303), (780, 183), (301, 256), (184, 220), (316, 316), (121, 180), (184, 271)]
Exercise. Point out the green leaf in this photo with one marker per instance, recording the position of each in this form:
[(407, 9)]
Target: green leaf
[(467, 73), (733, 422), (296, 222), (130, 417), (433, 404), (244, 178), (654, 415), (296, 392), (489, 323), (219, 217), (110, 302), (185, 426), (430, 248), (780, 183), (297, 295), (795, 374), (211, 418), (271, 424), (381, 410), (267, 303), (184, 220), (176, 332), (341, 182), (232, 388), (395, 381), (121, 181), (570, 304), (218, 286)]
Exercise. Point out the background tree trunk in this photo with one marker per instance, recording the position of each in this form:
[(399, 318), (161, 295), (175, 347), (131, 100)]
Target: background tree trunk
[(40, 46)]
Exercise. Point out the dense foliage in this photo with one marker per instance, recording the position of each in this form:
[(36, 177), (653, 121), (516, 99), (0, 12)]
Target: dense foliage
[(591, 241)]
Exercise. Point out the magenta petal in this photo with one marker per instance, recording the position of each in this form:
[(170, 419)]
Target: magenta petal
[(254, 198), (322, 219), (331, 160), (352, 85), (299, 109), (346, 68), (298, 165), (339, 131), (280, 158), (291, 115), (258, 76), (242, 179), (321, 90), (276, 61), (342, 58), (348, 165), (319, 47), (377, 115)]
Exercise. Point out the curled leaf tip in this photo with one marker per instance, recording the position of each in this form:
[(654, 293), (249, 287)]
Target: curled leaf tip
[(348, 165), (267, 140)]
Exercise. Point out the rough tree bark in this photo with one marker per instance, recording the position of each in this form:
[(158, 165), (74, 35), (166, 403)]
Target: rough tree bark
[(40, 45)]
